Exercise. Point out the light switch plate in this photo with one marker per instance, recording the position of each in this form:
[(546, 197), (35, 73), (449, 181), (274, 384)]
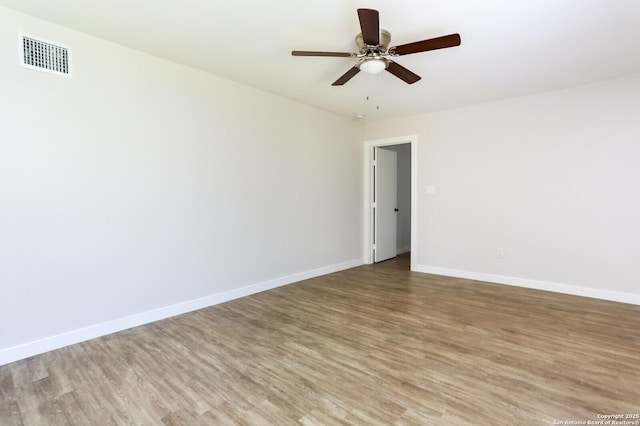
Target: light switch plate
[(430, 190)]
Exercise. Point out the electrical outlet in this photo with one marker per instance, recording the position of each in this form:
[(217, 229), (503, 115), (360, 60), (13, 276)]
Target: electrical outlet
[(501, 253)]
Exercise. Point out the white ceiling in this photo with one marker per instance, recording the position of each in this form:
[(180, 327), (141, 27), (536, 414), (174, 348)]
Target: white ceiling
[(509, 47)]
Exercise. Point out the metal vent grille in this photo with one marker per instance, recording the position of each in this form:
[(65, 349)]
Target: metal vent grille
[(41, 55)]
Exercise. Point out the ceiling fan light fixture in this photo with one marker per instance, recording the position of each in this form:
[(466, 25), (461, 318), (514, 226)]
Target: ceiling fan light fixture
[(373, 65)]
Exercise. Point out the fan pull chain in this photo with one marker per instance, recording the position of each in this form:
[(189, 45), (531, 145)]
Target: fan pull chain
[(377, 106)]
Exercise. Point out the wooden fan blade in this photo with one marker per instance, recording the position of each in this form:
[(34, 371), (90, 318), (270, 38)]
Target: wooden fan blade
[(402, 73), (450, 40), (370, 26), (346, 77), (312, 53)]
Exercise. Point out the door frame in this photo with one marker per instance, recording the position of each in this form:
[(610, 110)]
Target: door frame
[(368, 193)]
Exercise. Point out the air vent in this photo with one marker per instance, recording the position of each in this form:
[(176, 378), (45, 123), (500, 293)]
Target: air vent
[(44, 56)]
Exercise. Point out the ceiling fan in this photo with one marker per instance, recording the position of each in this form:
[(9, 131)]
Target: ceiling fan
[(373, 50)]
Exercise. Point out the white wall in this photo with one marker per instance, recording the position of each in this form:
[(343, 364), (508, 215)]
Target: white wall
[(551, 178), (140, 188)]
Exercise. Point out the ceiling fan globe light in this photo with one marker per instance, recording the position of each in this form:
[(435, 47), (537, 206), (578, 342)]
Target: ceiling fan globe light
[(373, 66)]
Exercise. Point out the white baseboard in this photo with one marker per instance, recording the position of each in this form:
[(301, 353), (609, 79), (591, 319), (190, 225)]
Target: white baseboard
[(47, 344), (534, 284)]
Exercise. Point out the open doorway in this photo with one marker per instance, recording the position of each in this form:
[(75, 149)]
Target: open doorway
[(390, 200), (403, 196)]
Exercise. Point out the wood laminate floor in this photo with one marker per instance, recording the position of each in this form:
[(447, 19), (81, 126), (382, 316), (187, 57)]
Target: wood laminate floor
[(371, 345)]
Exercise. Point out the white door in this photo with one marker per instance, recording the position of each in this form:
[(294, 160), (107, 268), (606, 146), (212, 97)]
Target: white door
[(385, 178)]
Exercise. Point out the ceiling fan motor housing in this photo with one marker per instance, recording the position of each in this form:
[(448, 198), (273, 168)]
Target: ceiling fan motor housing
[(383, 45)]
